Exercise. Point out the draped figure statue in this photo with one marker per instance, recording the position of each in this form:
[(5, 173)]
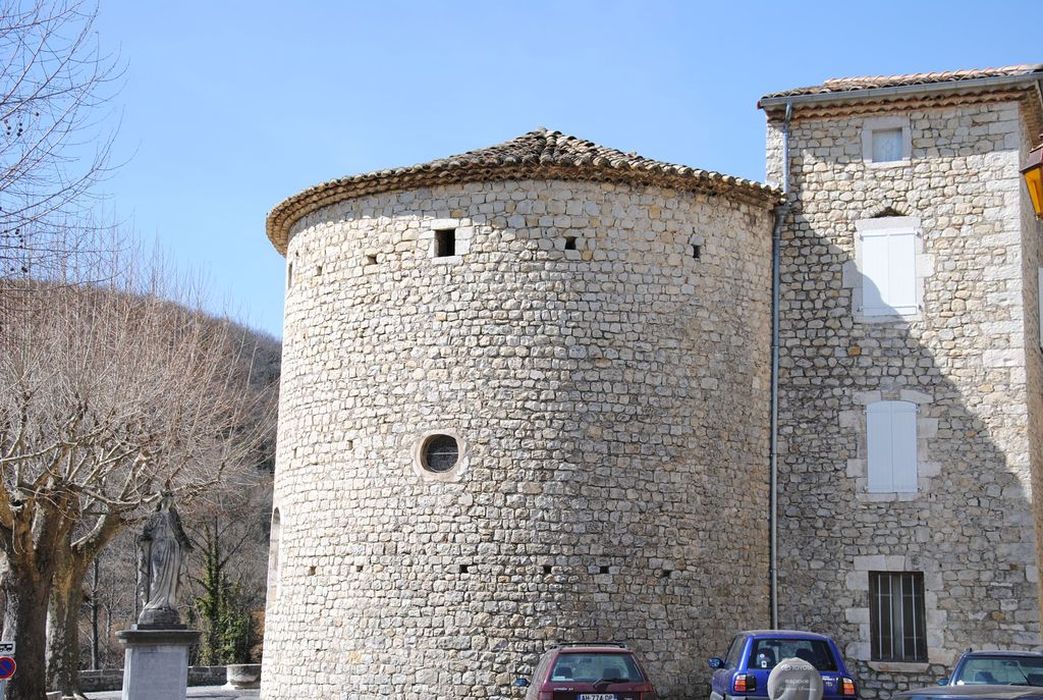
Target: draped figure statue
[(161, 545)]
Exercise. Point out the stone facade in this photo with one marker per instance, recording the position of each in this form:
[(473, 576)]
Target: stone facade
[(595, 341), (599, 351), (968, 358)]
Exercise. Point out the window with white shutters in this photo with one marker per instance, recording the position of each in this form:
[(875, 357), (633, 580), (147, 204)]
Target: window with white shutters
[(1039, 301), (891, 446), (887, 252)]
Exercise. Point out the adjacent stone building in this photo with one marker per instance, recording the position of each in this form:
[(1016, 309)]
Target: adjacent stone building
[(910, 368), (527, 390), (522, 402)]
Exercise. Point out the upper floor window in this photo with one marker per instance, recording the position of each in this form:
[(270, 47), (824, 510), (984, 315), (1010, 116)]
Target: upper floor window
[(1039, 301), (886, 140), (891, 446), (887, 250)]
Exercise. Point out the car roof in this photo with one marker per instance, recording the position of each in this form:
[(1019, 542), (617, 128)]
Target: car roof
[(787, 634), (593, 649), (978, 692), (1002, 652)]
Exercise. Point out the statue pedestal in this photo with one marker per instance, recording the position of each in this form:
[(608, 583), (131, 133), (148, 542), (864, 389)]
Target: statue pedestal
[(155, 665)]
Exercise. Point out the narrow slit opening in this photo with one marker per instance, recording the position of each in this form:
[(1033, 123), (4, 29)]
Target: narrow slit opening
[(570, 243)]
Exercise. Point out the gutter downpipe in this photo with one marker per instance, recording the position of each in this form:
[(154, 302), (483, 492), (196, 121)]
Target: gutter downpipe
[(781, 211)]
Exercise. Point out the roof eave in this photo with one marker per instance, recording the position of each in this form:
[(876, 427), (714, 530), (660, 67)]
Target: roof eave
[(1027, 80), (288, 213)]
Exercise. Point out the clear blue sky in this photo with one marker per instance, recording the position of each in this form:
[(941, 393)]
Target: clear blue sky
[(230, 107)]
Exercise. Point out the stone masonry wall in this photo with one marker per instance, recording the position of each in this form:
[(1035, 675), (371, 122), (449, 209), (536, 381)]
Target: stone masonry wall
[(962, 359), (611, 402)]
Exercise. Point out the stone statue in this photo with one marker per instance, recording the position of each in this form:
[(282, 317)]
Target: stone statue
[(160, 548)]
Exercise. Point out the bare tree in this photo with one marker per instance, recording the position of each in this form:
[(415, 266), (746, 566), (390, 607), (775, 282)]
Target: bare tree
[(108, 396), (54, 148)]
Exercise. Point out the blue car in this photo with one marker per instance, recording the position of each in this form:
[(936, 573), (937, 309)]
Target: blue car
[(997, 668), (743, 672)]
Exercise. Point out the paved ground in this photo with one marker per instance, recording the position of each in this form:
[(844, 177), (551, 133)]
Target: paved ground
[(212, 692)]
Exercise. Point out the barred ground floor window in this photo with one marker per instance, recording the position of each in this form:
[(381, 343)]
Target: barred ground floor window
[(897, 619)]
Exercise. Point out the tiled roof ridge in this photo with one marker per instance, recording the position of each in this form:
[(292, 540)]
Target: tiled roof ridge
[(841, 85), (538, 154)]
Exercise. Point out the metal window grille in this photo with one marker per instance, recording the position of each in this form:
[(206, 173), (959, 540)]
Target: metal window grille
[(440, 453), (897, 627)]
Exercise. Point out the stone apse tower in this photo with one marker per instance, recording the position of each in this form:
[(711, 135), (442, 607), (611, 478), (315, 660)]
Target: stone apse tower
[(524, 400)]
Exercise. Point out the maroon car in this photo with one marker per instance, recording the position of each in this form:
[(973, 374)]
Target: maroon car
[(588, 671)]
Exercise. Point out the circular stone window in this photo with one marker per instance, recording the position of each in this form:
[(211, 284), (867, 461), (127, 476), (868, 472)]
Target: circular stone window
[(439, 453)]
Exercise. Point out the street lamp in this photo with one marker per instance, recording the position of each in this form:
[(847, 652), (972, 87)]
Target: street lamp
[(1033, 174)]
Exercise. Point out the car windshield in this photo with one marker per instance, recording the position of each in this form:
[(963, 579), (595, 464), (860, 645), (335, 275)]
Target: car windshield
[(593, 667), (768, 652), (1001, 670)]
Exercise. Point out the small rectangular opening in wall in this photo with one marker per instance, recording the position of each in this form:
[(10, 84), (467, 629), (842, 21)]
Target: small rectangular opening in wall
[(465, 568), (371, 259), (311, 570), (358, 568), (602, 569), (445, 242), (547, 568), (318, 270), (289, 275), (697, 251), (570, 243), (666, 573), (350, 444)]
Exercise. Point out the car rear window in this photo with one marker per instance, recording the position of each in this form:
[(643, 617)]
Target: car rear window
[(999, 670), (768, 652), (732, 659), (594, 667)]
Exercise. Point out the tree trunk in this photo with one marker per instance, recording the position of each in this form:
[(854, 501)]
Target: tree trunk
[(94, 617), (63, 632), (25, 620)]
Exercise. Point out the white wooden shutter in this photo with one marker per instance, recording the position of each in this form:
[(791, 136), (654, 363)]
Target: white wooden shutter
[(889, 272), (891, 445), (878, 442), (1039, 295), (903, 446), (875, 277), (901, 287)]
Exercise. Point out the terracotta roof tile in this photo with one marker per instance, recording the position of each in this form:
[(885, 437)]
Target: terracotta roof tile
[(841, 85), (539, 154)]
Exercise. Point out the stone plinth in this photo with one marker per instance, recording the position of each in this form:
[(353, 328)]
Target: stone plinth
[(243, 676), (155, 665)]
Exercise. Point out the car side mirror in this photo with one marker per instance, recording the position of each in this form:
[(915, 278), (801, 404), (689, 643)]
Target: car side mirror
[(716, 662), (942, 681), (521, 683)]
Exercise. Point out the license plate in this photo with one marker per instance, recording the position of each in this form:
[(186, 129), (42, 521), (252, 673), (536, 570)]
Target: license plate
[(596, 696)]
